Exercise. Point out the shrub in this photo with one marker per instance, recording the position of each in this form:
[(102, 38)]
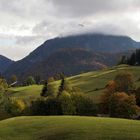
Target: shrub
[(14, 107), (84, 105), (46, 106), (30, 81), (67, 104), (3, 85)]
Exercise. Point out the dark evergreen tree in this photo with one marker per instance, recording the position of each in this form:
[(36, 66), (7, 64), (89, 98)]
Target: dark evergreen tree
[(45, 89), (48, 89), (132, 59), (64, 86), (138, 57)]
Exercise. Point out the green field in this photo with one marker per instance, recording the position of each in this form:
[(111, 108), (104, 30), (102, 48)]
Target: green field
[(72, 127), (69, 128), (91, 83)]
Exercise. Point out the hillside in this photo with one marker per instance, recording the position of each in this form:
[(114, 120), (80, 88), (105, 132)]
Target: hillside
[(69, 128), (105, 46), (91, 83), (72, 62), (4, 63)]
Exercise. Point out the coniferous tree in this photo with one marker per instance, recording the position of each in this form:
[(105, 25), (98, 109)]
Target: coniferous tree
[(64, 86), (45, 89), (48, 89), (132, 59), (138, 57)]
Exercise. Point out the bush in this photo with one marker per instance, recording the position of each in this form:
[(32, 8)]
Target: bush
[(14, 107), (84, 105), (30, 81), (67, 104), (46, 106), (3, 85)]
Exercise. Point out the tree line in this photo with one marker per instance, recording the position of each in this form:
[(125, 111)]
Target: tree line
[(120, 99), (134, 59)]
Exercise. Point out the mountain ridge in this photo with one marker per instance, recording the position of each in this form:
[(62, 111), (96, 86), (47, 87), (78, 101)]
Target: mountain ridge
[(95, 43)]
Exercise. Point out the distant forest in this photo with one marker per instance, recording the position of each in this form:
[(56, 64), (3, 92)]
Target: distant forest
[(133, 60)]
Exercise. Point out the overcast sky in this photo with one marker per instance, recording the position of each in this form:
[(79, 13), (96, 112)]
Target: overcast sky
[(25, 24)]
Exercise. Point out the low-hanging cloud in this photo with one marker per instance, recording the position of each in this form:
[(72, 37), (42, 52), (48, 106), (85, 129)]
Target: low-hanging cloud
[(25, 24)]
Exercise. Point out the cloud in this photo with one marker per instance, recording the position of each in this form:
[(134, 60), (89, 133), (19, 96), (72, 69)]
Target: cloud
[(92, 7), (25, 24)]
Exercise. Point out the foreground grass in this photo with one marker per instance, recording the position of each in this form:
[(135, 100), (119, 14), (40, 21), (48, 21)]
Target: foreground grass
[(69, 128), (91, 83)]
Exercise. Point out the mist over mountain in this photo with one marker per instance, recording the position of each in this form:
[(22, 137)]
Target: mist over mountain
[(73, 54)]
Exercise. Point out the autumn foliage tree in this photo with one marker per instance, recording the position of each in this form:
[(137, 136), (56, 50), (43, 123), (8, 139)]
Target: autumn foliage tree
[(118, 99), (122, 105), (105, 98), (124, 82)]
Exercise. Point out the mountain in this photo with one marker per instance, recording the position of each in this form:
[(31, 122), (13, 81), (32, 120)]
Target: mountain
[(4, 63), (72, 61), (73, 54), (137, 44)]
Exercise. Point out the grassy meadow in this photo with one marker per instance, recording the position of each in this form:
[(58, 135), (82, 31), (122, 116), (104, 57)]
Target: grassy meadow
[(68, 128), (91, 83), (72, 127)]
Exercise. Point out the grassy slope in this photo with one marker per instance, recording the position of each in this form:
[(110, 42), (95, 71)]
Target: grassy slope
[(69, 128), (87, 82)]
